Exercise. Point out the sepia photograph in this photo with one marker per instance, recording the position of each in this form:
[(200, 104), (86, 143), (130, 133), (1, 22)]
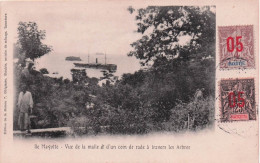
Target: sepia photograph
[(115, 70), (129, 81)]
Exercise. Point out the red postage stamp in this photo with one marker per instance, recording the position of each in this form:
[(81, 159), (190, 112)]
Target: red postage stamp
[(237, 100), (236, 47)]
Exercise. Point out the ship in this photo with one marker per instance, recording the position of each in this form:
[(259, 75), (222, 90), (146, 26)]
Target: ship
[(109, 67)]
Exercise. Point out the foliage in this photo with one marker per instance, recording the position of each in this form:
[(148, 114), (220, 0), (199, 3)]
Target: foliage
[(169, 25), (30, 41), (200, 113), (139, 103), (44, 71), (56, 101)]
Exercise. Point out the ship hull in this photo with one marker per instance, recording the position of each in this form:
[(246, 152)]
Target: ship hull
[(109, 67)]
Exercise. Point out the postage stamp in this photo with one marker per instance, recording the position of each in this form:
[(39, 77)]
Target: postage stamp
[(236, 47), (237, 100)]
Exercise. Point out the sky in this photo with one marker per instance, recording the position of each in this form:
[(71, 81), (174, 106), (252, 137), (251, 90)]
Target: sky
[(80, 28)]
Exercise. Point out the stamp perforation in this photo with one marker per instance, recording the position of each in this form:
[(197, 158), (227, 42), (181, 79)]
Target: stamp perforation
[(219, 49), (220, 100)]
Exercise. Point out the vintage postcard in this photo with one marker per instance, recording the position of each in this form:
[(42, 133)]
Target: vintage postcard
[(129, 81)]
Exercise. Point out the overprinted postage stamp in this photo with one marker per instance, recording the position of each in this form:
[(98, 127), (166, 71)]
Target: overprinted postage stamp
[(236, 47), (237, 100)]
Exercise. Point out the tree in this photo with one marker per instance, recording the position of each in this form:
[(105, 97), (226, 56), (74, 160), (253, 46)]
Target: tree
[(179, 42), (44, 71), (30, 41), (169, 25)]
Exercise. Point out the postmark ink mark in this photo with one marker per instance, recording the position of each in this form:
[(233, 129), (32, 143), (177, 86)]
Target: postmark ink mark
[(237, 100)]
